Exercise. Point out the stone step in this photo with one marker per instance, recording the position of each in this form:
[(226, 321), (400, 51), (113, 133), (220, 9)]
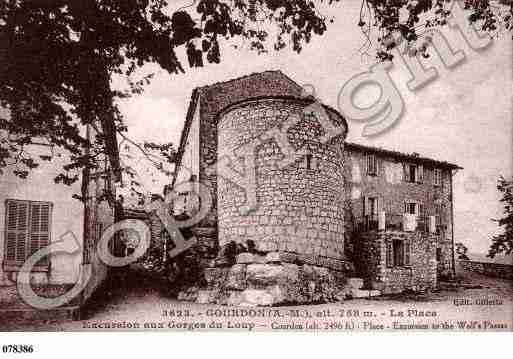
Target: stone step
[(64, 313), (361, 293)]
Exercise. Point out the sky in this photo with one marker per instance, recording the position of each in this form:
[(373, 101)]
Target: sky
[(463, 116)]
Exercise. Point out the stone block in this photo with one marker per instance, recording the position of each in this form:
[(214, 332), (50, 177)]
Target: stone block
[(377, 285), (355, 283), (359, 293), (207, 296), (236, 277), (215, 276), (246, 258), (272, 257), (255, 297), (374, 293), (190, 294), (270, 274)]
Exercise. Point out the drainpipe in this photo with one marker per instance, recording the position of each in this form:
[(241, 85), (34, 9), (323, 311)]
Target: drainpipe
[(452, 223)]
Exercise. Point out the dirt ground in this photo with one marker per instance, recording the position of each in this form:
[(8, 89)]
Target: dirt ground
[(476, 302)]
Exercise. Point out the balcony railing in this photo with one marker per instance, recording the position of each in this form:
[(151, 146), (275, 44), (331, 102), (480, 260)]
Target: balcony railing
[(395, 222)]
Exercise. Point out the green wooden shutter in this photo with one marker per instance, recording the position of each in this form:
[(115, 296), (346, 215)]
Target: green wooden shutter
[(16, 231)]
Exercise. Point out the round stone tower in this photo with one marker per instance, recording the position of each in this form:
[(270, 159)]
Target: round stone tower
[(280, 205), (289, 197)]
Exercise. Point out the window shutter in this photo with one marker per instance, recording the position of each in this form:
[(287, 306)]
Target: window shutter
[(405, 172), (438, 214), (406, 207), (17, 230), (371, 164), (39, 229), (406, 253), (27, 229), (437, 177), (420, 174), (389, 254), (399, 253)]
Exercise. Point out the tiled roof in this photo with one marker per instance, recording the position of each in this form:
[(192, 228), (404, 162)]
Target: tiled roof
[(412, 157)]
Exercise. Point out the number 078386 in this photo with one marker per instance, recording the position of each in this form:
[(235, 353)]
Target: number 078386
[(17, 348)]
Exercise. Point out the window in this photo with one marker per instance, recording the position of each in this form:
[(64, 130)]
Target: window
[(438, 218), (370, 213), (414, 207), (410, 207), (372, 165), (438, 254), (27, 230), (413, 173), (373, 205), (370, 206), (437, 177), (309, 161), (398, 253)]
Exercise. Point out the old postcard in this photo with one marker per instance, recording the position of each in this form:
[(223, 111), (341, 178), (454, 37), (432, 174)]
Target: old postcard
[(255, 165)]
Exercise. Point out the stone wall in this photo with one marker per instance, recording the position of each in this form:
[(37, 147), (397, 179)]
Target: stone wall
[(300, 205), (392, 191), (497, 270), (419, 274)]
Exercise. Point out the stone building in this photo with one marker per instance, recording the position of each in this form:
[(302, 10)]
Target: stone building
[(400, 188), (298, 214)]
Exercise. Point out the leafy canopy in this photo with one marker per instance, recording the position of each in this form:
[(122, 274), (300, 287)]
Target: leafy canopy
[(59, 56), (503, 243)]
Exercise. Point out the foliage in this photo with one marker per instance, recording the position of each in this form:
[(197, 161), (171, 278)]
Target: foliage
[(59, 57), (503, 243), (461, 251)]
